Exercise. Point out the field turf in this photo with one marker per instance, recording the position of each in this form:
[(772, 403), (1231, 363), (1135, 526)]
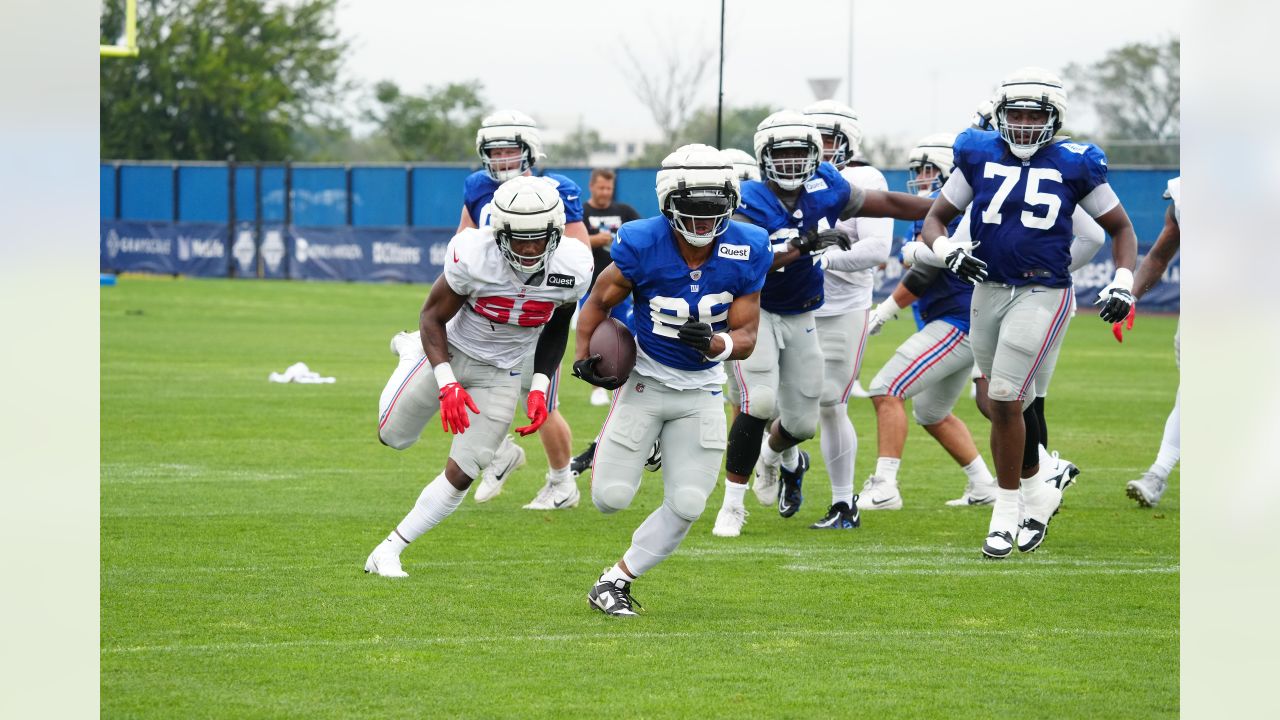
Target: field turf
[(237, 514)]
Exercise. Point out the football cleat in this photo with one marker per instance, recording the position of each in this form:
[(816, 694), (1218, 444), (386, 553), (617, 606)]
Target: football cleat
[(766, 485), (612, 598), (582, 463), (1031, 533), (654, 463), (879, 494), (599, 397), (975, 494), (385, 561), (840, 517), (407, 344), (998, 545), (790, 496), (729, 521), (555, 496), (1147, 490), (1063, 474), (506, 459)]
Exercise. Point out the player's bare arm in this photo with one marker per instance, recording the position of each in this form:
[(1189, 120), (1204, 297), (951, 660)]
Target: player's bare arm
[(441, 305), (744, 320), (940, 215), (465, 221), (886, 203), (610, 289), (1161, 254), (781, 258), (578, 230), (1124, 242)]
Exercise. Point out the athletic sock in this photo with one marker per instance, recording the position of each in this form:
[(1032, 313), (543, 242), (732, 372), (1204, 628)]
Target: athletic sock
[(791, 458), (615, 573), (1004, 513), (734, 493), (437, 501), (559, 476), (1171, 442), (978, 473), (839, 450), (887, 468)]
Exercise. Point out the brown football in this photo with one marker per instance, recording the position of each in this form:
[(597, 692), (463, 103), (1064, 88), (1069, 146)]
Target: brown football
[(613, 342)]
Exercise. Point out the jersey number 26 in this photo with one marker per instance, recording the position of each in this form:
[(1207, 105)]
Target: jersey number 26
[(668, 323)]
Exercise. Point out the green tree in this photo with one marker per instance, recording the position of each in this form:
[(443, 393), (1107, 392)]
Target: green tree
[(738, 131), (1136, 92), (219, 77), (577, 146), (438, 125)]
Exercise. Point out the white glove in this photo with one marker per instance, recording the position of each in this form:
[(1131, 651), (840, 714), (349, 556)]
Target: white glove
[(916, 252), (959, 259), (883, 313)]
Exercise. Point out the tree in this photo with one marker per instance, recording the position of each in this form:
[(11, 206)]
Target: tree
[(738, 131), (1136, 92), (438, 125), (219, 77), (668, 87), (577, 146)]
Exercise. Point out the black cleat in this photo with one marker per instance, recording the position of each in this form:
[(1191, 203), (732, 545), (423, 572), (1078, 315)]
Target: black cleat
[(612, 598), (654, 463), (998, 545), (790, 498), (582, 463), (840, 517)]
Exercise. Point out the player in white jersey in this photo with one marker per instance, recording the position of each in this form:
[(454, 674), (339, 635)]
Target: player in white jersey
[(509, 144), (1148, 489), (484, 315), (695, 277)]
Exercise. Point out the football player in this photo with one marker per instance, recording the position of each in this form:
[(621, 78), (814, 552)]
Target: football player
[(1025, 183), (695, 277), (485, 314), (1148, 489), (510, 145), (799, 203)]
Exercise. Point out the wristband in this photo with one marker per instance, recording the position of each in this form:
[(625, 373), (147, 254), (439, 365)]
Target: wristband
[(1123, 279), (540, 383), (887, 308), (942, 247), (728, 348), (444, 374)]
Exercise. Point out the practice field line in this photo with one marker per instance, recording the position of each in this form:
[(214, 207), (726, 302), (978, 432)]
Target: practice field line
[(733, 634)]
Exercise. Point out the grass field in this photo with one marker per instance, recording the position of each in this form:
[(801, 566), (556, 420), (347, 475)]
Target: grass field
[(236, 516)]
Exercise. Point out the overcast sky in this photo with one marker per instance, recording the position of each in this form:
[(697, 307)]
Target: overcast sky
[(919, 67)]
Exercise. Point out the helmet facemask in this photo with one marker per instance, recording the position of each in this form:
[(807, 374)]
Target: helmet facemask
[(1024, 139), (527, 263), (700, 214), (789, 173), (918, 185), (503, 169), (839, 154)]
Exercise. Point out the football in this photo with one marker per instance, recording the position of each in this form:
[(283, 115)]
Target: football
[(615, 345)]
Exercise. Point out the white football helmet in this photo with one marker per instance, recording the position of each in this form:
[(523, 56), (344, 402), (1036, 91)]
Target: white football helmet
[(744, 166), (840, 122), (508, 129), (982, 116), (788, 130), (934, 150), (697, 192), (527, 208), (1030, 88)]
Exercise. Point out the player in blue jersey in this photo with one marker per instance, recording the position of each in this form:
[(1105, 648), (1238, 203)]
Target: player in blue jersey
[(510, 145), (1024, 183), (799, 203), (695, 278)]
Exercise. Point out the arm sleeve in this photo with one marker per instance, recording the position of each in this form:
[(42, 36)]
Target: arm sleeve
[(1100, 200), (552, 341), (1089, 237), (957, 190), (874, 240), (919, 278)]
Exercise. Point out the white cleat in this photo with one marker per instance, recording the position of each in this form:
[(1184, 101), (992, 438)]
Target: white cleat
[(729, 521), (599, 397), (879, 494), (975, 493), (506, 459), (385, 561), (1147, 490), (553, 496), (407, 344)]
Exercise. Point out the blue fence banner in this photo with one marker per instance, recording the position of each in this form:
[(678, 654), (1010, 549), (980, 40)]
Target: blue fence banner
[(167, 248), (399, 254)]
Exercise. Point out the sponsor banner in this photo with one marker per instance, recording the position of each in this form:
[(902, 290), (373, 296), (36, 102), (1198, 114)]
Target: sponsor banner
[(168, 248), (1165, 297), (370, 254)]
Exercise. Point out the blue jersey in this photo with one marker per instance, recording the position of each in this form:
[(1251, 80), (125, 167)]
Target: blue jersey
[(1022, 209), (948, 297), (797, 287), (478, 189), (668, 293)]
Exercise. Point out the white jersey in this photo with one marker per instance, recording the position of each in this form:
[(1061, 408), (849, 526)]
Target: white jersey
[(1174, 193), (845, 288), (503, 315)]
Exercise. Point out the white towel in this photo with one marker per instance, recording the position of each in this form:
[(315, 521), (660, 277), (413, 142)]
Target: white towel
[(299, 373)]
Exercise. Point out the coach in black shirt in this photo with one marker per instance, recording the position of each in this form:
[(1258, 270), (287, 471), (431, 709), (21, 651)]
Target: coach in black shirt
[(603, 217)]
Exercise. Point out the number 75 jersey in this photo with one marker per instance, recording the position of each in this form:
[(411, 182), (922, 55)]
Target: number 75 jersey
[(1022, 209), (668, 293), (504, 311)]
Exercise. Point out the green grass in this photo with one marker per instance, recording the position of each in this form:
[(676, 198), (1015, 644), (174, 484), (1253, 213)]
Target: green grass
[(236, 515)]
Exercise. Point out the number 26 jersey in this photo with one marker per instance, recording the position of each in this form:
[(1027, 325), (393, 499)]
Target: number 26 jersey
[(668, 293)]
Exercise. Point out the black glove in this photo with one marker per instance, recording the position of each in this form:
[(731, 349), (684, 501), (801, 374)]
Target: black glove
[(816, 240), (1116, 303), (585, 369), (965, 266), (696, 335)]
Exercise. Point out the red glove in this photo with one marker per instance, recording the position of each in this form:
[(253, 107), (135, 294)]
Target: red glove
[(1127, 323), (454, 403), (536, 408)]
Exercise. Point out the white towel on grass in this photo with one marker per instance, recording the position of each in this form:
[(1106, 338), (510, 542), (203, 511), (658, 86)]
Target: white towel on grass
[(299, 373)]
